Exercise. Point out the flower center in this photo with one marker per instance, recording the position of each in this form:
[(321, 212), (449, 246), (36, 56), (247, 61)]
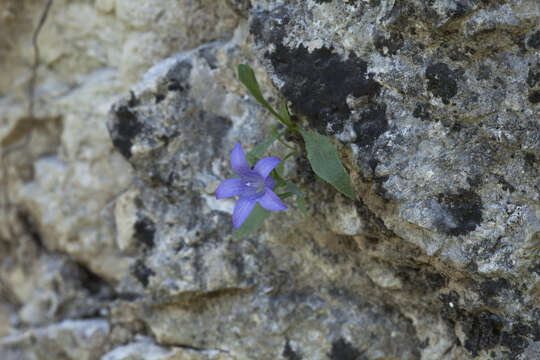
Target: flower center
[(255, 186)]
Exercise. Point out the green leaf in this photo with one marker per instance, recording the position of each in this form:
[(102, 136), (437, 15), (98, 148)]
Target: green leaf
[(258, 151), (300, 200), (252, 223), (247, 77), (284, 112), (324, 160), (285, 195), (280, 182)]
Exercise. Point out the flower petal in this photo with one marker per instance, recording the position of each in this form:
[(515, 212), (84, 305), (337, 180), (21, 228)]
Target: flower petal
[(270, 201), (269, 182), (266, 165), (242, 210), (230, 188), (238, 161)]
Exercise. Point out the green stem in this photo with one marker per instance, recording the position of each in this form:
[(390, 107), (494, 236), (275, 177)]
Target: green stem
[(288, 124), (285, 144), (289, 155)]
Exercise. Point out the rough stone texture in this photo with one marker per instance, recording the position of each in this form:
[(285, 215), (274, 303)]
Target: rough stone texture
[(114, 247)]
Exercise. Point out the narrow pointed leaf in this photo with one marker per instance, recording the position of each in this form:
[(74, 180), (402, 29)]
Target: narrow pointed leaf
[(324, 160), (247, 77), (252, 223), (284, 112), (280, 182)]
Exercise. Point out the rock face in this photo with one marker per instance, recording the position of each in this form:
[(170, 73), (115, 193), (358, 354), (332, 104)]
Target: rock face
[(113, 143)]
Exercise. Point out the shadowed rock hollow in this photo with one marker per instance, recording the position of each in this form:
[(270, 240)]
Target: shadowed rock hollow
[(114, 247)]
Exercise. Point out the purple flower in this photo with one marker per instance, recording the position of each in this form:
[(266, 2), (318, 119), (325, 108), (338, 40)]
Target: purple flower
[(253, 185)]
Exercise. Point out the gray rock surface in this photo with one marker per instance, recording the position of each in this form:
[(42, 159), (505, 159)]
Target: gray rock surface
[(114, 246)]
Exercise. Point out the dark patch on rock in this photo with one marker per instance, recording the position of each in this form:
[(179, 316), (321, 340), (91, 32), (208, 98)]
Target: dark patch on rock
[(178, 76), (133, 100), (475, 181), (533, 77), (515, 342), (483, 331), (289, 353), (145, 230), (175, 86), (460, 10), (142, 272), (456, 127), (534, 40), (530, 159), (435, 281), (371, 125), (441, 81), (464, 211), (323, 1), (306, 173), (373, 164), (318, 83), (534, 97), (215, 127), (421, 111), (207, 53), (505, 184), (159, 98), (123, 129), (87, 279), (484, 72), (342, 350), (449, 310), (237, 260), (388, 45), (493, 287)]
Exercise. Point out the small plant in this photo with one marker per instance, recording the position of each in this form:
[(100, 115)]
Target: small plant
[(257, 186)]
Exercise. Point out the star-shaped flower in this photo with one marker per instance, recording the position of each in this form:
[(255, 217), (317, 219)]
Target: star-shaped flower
[(253, 185)]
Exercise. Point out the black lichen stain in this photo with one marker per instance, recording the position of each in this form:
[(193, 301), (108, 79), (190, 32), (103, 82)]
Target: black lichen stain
[(441, 81), (159, 98), (516, 341), (371, 125), (534, 97), (534, 40), (342, 350), (388, 45), (435, 281), (318, 83), (142, 272), (124, 128), (530, 159), (289, 353), (483, 331), (178, 77), (464, 210), (421, 111), (533, 77), (145, 230), (506, 186), (458, 11), (493, 287)]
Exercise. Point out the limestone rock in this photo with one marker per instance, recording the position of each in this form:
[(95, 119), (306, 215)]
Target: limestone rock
[(115, 247)]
